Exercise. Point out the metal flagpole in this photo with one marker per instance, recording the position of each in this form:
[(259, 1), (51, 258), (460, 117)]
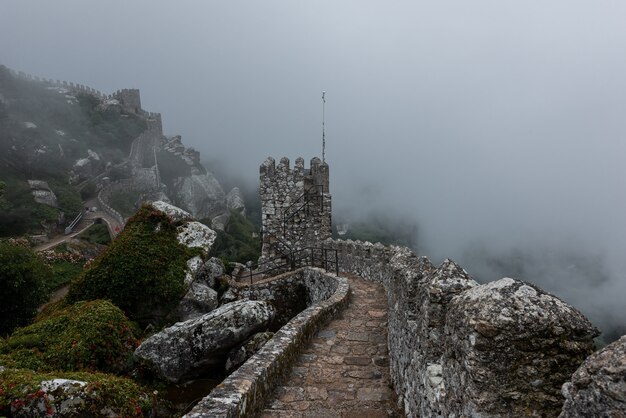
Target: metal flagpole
[(323, 127)]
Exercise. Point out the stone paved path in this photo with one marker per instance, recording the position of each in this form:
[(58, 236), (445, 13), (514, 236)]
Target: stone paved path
[(344, 372)]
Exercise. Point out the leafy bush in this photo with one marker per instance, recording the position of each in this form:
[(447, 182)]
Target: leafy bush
[(237, 243), (22, 280), (20, 391), (91, 335), (97, 233), (142, 271)]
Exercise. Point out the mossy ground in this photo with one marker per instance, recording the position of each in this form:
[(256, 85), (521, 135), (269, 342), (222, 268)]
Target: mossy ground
[(142, 271), (20, 388), (91, 335)]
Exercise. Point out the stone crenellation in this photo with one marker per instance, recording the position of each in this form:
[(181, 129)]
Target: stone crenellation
[(459, 348), (129, 99), (296, 205)]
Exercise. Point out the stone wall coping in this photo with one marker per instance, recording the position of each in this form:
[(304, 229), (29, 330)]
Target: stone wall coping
[(245, 391)]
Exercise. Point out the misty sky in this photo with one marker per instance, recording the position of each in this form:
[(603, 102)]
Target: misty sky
[(491, 123)]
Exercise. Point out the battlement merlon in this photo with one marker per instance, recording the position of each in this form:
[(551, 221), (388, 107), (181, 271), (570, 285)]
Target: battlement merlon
[(317, 175)]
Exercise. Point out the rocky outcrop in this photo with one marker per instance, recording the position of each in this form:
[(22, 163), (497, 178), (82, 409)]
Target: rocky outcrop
[(598, 387), (201, 194), (198, 300), (196, 235), (176, 213), (234, 200), (210, 270), (189, 348), (42, 193), (86, 167), (494, 334)]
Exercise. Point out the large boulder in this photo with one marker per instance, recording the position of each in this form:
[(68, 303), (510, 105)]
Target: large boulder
[(42, 193), (201, 194), (210, 270), (234, 200), (598, 387), (509, 347), (196, 235), (187, 349), (198, 300), (176, 213)]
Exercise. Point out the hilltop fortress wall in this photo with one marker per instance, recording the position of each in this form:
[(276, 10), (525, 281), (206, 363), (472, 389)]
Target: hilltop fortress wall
[(457, 348), (463, 349), (129, 99)]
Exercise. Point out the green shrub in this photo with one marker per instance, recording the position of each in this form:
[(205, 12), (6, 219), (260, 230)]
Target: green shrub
[(22, 280), (237, 243), (21, 389), (97, 233), (85, 336), (142, 271)]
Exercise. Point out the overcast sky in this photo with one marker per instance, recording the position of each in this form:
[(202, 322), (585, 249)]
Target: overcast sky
[(491, 123)]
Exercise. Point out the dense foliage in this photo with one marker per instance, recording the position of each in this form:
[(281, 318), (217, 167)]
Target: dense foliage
[(22, 280), (97, 233), (20, 391), (237, 242), (142, 271), (91, 335)]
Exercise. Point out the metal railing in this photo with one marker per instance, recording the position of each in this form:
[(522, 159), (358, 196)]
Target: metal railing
[(303, 202), (72, 225), (326, 258)]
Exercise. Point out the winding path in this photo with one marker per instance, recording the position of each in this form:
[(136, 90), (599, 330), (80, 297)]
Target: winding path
[(88, 220), (344, 372)]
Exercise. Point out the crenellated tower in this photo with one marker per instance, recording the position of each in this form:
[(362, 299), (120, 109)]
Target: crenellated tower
[(295, 205)]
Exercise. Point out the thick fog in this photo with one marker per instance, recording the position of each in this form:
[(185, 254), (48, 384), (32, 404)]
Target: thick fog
[(498, 127)]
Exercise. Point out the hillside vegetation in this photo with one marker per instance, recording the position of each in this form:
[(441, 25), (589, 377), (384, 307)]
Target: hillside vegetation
[(43, 132)]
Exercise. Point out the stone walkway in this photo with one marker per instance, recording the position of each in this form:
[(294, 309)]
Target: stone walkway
[(344, 372)]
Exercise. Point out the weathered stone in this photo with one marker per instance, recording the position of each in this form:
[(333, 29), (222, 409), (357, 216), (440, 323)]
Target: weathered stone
[(220, 221), (196, 235), (235, 201), (201, 194), (504, 337), (188, 348), (193, 265), (295, 206), (237, 356), (210, 270), (598, 387), (176, 213), (198, 300), (42, 193)]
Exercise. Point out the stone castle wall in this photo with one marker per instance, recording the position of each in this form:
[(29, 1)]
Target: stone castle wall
[(129, 99), (285, 213), (458, 348)]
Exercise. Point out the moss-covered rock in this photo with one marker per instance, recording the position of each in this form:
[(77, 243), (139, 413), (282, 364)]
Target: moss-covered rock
[(142, 271), (91, 335), (24, 393)]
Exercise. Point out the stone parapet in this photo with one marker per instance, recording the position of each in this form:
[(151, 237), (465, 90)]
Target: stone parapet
[(459, 348), (245, 391)]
